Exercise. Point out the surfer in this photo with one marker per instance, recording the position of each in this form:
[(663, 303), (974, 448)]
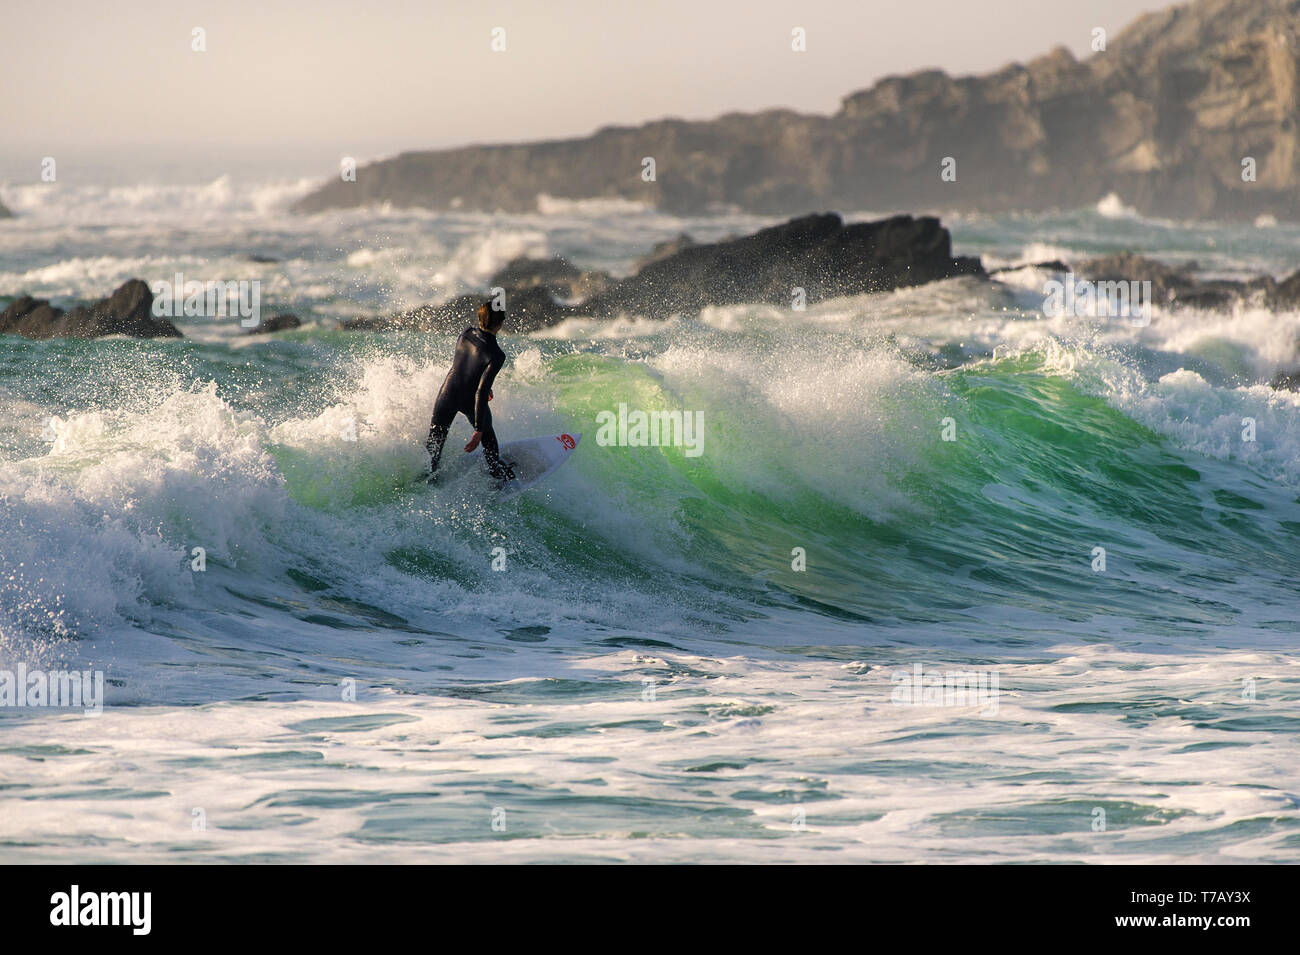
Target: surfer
[(468, 388)]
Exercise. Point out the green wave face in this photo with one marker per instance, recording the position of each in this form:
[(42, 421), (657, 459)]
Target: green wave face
[(838, 475), (907, 527)]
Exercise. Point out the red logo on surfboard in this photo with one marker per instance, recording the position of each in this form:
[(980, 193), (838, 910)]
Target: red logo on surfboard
[(567, 441)]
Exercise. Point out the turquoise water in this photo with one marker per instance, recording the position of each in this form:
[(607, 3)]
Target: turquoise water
[(654, 656)]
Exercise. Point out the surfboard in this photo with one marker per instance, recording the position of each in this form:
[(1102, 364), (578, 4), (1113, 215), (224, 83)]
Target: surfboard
[(532, 460)]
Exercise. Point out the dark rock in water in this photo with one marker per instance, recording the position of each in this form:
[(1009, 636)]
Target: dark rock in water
[(367, 324), (1163, 118), (664, 249), (26, 315), (370, 324), (275, 323), (529, 309), (1167, 281), (261, 259), (128, 311), (5, 213), (531, 286), (1055, 265), (817, 253), (452, 315), (523, 271), (1285, 295), (557, 275), (1178, 286)]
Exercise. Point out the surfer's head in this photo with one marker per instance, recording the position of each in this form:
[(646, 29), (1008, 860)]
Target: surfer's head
[(491, 318)]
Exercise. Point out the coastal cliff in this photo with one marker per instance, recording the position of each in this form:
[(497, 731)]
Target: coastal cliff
[(1164, 117)]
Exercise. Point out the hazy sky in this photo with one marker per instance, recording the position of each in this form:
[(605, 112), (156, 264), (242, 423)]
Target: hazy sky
[(338, 77)]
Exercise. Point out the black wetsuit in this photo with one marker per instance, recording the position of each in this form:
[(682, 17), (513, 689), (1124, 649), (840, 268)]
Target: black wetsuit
[(466, 390)]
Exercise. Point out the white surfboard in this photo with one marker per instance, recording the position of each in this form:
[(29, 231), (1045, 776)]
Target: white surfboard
[(533, 459)]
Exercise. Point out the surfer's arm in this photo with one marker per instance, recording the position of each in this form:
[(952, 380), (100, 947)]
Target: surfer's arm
[(481, 398), (483, 395)]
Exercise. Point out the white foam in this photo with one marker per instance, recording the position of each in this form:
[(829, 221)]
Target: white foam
[(110, 514), (1113, 207), (219, 199), (614, 206), (719, 765)]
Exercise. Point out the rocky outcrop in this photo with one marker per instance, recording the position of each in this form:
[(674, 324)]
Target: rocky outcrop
[(1179, 287), (5, 213), (817, 254), (275, 323), (128, 311), (663, 250), (1164, 117), (1286, 294), (557, 275)]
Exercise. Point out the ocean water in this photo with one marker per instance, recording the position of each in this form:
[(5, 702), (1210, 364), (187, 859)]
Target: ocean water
[(654, 656)]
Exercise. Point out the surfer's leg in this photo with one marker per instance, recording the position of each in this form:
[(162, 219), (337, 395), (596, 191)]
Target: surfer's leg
[(438, 428), (492, 454)]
